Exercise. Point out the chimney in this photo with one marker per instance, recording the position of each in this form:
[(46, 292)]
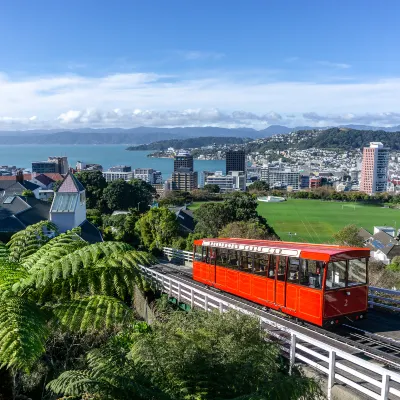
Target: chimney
[(19, 176)]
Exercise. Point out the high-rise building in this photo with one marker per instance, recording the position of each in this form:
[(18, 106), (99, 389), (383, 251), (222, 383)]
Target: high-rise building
[(203, 177), (235, 161), (282, 179), (148, 175), (374, 171), (183, 160), (183, 177), (239, 180), (52, 165), (121, 168), (225, 182), (184, 180)]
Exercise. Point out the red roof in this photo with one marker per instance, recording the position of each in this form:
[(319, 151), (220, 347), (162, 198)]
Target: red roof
[(53, 175), (321, 252)]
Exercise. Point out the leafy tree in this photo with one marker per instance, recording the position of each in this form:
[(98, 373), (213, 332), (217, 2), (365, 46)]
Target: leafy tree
[(349, 236), (122, 195), (395, 264), (245, 230), (259, 186), (211, 218), (212, 188), (157, 228), (28, 193), (237, 206), (94, 216), (241, 206), (190, 356), (175, 198), (121, 227), (63, 282), (57, 184), (94, 184)]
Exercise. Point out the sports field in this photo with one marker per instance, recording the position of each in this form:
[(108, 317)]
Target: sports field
[(315, 221)]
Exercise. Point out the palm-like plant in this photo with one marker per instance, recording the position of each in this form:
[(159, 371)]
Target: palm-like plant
[(64, 281)]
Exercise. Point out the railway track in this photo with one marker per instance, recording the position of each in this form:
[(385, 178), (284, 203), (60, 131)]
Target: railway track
[(374, 347)]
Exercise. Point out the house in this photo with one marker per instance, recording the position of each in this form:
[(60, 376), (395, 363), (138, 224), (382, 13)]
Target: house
[(44, 181), (16, 186), (68, 209), (17, 213), (384, 247), (184, 218)]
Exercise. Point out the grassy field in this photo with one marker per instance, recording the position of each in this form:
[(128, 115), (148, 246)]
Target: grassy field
[(315, 221), (195, 205)]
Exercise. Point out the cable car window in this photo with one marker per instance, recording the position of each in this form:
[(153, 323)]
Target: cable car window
[(233, 260), (311, 273), (282, 268), (357, 272), (222, 257), (246, 261), (198, 253), (204, 254), (336, 275), (272, 266), (264, 258), (294, 268)]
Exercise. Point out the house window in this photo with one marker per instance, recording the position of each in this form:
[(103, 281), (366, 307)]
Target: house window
[(82, 197)]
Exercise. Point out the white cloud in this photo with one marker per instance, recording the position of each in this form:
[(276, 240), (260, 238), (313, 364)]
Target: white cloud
[(222, 99), (334, 65)]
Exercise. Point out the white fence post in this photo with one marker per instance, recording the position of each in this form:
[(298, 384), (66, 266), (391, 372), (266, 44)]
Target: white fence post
[(331, 376), (179, 293), (385, 386), (170, 288), (292, 352), (206, 303), (191, 299), (221, 308)]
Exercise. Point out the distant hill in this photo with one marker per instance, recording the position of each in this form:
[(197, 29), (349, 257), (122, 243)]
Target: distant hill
[(146, 135), (332, 138), (190, 143)]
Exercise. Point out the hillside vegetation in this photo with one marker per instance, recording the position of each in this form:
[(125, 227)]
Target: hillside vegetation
[(190, 143)]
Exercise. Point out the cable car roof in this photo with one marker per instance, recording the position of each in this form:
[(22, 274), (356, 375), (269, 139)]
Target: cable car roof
[(319, 252)]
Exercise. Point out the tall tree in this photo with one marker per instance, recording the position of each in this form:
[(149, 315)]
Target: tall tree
[(349, 236), (196, 355), (245, 230), (122, 195), (65, 282), (211, 218), (94, 184), (157, 228), (259, 186)]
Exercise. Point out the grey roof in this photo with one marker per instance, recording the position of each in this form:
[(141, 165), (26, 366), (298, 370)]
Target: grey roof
[(14, 187), (44, 179), (186, 220), (384, 238), (364, 234), (26, 211), (90, 233), (393, 251)]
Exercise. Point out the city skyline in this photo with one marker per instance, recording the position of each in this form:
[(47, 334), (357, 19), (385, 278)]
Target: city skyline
[(174, 64)]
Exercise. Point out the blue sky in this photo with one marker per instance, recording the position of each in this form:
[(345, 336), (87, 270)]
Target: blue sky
[(176, 63)]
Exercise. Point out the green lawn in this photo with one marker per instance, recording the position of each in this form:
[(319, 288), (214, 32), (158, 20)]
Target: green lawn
[(195, 205), (315, 221)]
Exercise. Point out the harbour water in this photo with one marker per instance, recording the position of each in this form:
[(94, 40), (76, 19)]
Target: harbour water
[(106, 155)]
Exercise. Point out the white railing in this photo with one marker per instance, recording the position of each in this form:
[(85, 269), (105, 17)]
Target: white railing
[(385, 298), (338, 365)]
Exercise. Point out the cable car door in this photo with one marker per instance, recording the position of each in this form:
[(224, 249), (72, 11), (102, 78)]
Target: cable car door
[(211, 264), (280, 281)]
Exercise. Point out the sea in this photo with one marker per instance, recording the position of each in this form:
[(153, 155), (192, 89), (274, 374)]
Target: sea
[(107, 155)]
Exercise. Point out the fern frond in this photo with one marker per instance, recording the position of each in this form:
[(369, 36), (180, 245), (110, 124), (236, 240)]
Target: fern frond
[(22, 333), (4, 253), (24, 243), (55, 248), (92, 313), (75, 383), (10, 273)]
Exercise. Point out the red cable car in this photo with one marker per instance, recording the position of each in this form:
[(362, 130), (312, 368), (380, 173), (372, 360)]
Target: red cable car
[(318, 283)]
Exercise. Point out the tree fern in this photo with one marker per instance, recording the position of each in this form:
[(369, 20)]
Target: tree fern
[(92, 313), (4, 253), (23, 332), (28, 241)]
